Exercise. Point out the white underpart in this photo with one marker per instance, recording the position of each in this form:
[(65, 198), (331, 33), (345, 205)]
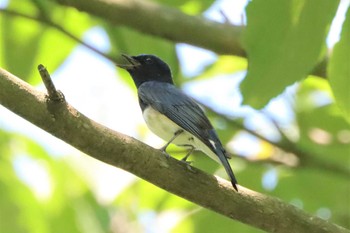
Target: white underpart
[(165, 128)]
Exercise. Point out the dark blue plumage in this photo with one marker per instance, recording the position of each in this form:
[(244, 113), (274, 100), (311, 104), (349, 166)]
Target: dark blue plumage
[(171, 114)]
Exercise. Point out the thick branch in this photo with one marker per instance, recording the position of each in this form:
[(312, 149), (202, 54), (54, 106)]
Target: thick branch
[(172, 24), (165, 22), (63, 121)]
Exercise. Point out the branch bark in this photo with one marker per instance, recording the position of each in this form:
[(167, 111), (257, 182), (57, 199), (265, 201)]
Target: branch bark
[(63, 121), (169, 23), (165, 22)]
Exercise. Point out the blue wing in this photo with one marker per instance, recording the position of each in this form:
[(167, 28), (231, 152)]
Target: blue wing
[(185, 112), (178, 107)]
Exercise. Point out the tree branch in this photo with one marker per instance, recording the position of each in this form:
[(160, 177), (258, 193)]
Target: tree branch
[(306, 158), (63, 121), (165, 22), (169, 23)]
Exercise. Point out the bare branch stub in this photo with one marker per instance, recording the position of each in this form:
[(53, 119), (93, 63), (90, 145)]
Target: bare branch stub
[(53, 94)]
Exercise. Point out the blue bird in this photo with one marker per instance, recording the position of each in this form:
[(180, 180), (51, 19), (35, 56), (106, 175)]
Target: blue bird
[(170, 113)]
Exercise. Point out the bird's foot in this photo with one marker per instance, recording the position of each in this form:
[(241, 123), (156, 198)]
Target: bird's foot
[(187, 163), (165, 153), (163, 149)]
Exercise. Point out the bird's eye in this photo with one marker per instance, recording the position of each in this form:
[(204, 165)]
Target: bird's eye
[(149, 61)]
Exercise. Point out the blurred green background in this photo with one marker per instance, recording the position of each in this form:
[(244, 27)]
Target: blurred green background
[(288, 131)]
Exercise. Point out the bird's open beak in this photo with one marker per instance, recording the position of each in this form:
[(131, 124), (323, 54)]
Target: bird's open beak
[(133, 63)]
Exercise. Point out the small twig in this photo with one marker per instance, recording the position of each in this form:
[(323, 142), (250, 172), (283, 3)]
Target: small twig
[(49, 22), (224, 15), (53, 94), (277, 127), (305, 157), (243, 19)]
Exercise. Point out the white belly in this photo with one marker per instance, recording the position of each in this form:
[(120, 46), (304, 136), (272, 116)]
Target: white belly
[(165, 128)]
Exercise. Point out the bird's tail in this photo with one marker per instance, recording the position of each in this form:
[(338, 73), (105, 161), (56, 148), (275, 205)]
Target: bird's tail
[(221, 153), (225, 163)]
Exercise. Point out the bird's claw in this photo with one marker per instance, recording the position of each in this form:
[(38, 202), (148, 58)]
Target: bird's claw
[(187, 163), (165, 153)]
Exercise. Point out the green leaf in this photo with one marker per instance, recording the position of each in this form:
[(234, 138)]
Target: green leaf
[(339, 69), (284, 40), (21, 43), (26, 43)]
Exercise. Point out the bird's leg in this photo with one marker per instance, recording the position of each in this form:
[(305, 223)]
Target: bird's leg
[(163, 149), (184, 159)]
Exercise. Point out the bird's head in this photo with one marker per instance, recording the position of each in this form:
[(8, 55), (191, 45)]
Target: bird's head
[(143, 68)]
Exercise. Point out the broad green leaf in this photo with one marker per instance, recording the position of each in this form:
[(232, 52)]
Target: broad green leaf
[(21, 42), (27, 43), (339, 69), (284, 40), (20, 39), (56, 46), (49, 55)]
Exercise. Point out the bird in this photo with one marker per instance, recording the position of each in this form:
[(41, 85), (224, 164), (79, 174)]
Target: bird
[(170, 113)]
